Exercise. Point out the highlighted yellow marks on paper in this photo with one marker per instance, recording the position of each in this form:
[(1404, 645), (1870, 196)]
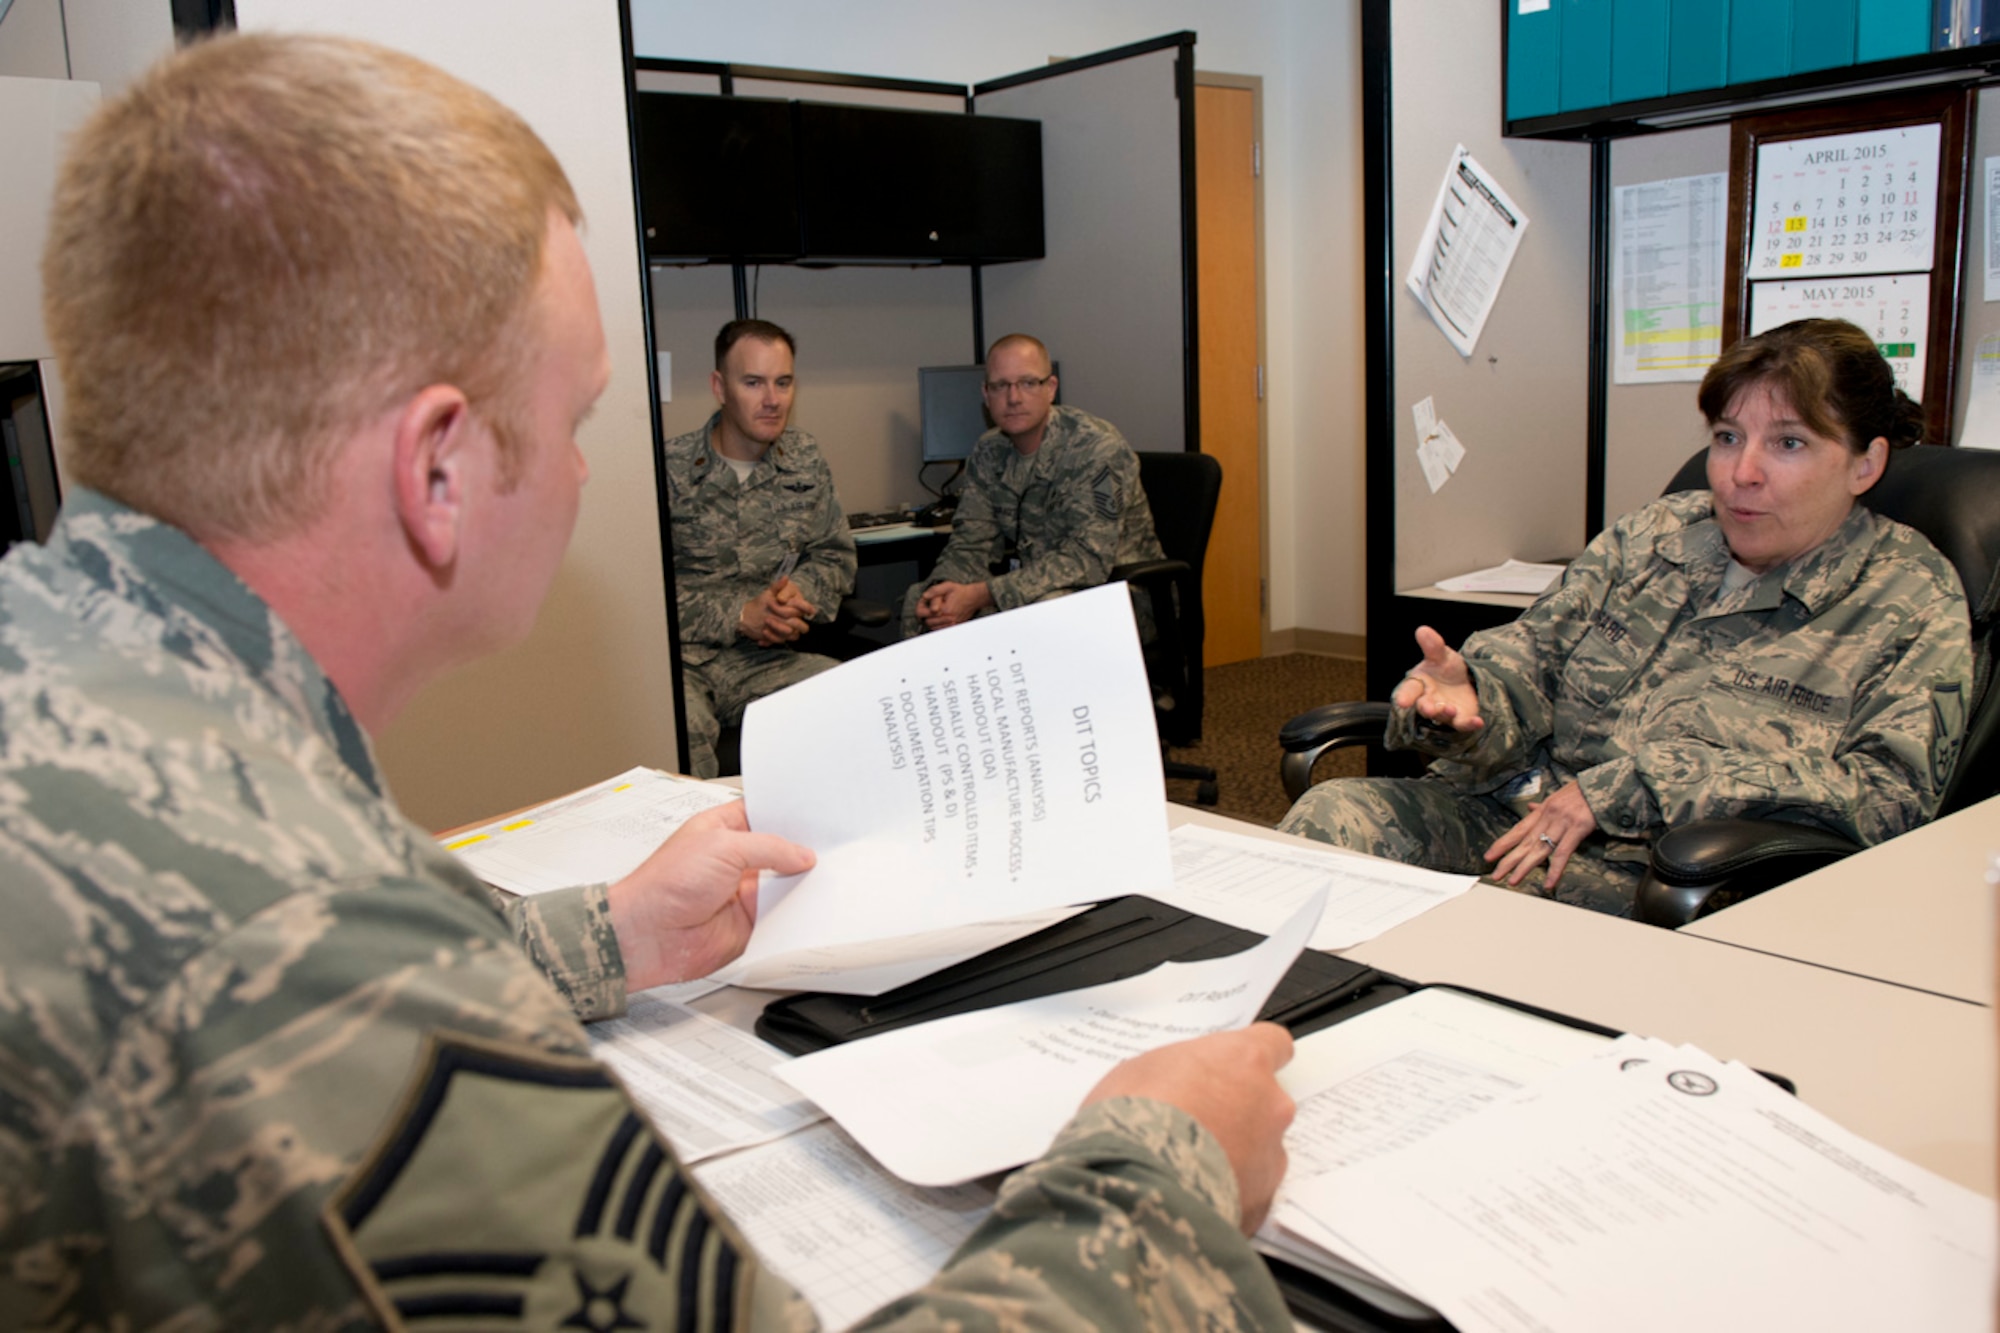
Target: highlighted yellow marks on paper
[(519, 823), (1685, 334), (1791, 261), (465, 842), (1796, 224)]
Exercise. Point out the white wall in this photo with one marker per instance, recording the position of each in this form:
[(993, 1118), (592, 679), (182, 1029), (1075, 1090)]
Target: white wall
[(1308, 54), (590, 692)]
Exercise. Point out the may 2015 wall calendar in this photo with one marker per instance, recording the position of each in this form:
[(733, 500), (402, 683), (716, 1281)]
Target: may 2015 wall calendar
[(1860, 202), (1894, 310)]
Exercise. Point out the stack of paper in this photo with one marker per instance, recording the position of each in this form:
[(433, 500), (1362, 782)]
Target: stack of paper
[(1652, 1187)]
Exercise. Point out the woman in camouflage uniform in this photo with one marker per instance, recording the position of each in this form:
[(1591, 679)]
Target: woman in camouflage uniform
[(1767, 647)]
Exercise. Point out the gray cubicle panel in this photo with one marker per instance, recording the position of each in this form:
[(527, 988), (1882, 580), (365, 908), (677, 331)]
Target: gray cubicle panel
[(1519, 403), (1650, 429), (1109, 297), (862, 331)]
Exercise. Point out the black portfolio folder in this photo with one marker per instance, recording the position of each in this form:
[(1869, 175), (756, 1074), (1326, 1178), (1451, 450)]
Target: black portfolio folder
[(1109, 942)]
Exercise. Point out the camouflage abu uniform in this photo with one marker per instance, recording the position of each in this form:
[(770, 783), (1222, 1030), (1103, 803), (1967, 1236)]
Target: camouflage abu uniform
[(275, 1060), (1830, 692), (1073, 509), (729, 540)]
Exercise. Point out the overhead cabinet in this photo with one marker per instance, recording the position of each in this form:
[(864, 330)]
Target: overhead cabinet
[(743, 179)]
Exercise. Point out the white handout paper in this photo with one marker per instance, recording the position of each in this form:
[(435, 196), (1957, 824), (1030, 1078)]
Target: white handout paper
[(955, 1099), (1000, 768)]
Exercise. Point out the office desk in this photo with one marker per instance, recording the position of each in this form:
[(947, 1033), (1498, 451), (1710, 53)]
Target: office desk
[(1916, 911), (1912, 1071)]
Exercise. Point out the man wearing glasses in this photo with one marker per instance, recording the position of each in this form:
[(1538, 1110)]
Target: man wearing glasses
[(1060, 485)]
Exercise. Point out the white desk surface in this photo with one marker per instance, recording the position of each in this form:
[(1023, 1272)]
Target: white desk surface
[(1916, 911), (1914, 1072), (1911, 1071)]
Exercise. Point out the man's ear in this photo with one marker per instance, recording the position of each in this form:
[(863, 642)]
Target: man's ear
[(715, 384), (433, 431)]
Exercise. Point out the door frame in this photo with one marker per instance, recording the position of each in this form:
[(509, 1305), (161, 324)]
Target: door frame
[(1254, 84)]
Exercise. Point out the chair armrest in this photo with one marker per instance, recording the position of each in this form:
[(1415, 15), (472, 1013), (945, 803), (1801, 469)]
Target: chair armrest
[(861, 611), (1147, 571), (1329, 727), (1710, 864)]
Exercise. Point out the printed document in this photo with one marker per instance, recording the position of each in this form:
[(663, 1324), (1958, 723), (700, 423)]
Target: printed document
[(1386, 1079), (709, 1087), (1256, 883), (1001, 768), (1653, 1187), (594, 836), (962, 1097), (846, 1234), (1467, 247), (1669, 260)]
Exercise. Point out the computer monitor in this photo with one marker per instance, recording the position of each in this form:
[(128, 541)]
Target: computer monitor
[(953, 405)]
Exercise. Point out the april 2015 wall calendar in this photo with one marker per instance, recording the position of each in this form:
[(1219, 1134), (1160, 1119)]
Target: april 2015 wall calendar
[(1894, 310), (1860, 202)]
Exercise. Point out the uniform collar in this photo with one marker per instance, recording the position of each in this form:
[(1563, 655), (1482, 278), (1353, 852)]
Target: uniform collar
[(155, 565), (1817, 580), (778, 455)]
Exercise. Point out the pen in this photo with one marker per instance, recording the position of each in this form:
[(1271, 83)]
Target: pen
[(785, 568)]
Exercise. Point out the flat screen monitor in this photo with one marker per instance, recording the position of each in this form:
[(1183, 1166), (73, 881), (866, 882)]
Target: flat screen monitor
[(953, 406)]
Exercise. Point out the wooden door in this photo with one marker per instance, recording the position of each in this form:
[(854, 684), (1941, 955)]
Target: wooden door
[(1231, 415)]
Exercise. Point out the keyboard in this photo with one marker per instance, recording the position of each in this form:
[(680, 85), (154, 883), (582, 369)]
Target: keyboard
[(870, 522)]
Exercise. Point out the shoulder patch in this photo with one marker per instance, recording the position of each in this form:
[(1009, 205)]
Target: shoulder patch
[(1947, 731), (1104, 493), (515, 1188)]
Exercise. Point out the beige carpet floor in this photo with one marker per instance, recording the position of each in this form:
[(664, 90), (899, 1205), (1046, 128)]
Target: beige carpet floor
[(1246, 703)]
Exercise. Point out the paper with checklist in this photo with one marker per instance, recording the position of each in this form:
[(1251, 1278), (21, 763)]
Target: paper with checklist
[(962, 1097), (847, 1235), (593, 836), (1005, 767)]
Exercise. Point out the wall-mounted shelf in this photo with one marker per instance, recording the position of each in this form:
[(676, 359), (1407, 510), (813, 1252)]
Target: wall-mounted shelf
[(1678, 110)]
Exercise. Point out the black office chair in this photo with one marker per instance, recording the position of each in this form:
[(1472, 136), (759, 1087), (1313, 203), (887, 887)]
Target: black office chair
[(1181, 490), (1952, 496)]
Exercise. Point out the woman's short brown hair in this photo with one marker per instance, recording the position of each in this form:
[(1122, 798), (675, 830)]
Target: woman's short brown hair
[(268, 240), (1831, 372)]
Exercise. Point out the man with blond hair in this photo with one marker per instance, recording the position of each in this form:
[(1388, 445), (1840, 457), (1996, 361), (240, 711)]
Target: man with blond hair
[(272, 1058)]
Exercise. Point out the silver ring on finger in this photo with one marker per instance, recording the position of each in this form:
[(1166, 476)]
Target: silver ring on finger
[(1548, 842)]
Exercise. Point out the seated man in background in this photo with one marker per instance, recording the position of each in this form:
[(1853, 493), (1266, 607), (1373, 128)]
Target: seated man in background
[(272, 1058), (1060, 485), (1768, 647), (761, 548)]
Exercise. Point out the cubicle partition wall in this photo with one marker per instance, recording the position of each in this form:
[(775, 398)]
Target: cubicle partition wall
[(1113, 294), (1114, 299), (1519, 402)]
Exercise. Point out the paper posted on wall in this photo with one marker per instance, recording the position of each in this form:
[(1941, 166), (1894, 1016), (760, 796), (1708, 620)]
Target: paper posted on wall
[(1467, 247)]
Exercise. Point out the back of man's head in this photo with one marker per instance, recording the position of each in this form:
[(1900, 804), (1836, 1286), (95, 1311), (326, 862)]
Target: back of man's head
[(269, 240)]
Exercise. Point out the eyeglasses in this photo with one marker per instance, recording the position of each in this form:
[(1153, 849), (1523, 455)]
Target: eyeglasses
[(999, 388)]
